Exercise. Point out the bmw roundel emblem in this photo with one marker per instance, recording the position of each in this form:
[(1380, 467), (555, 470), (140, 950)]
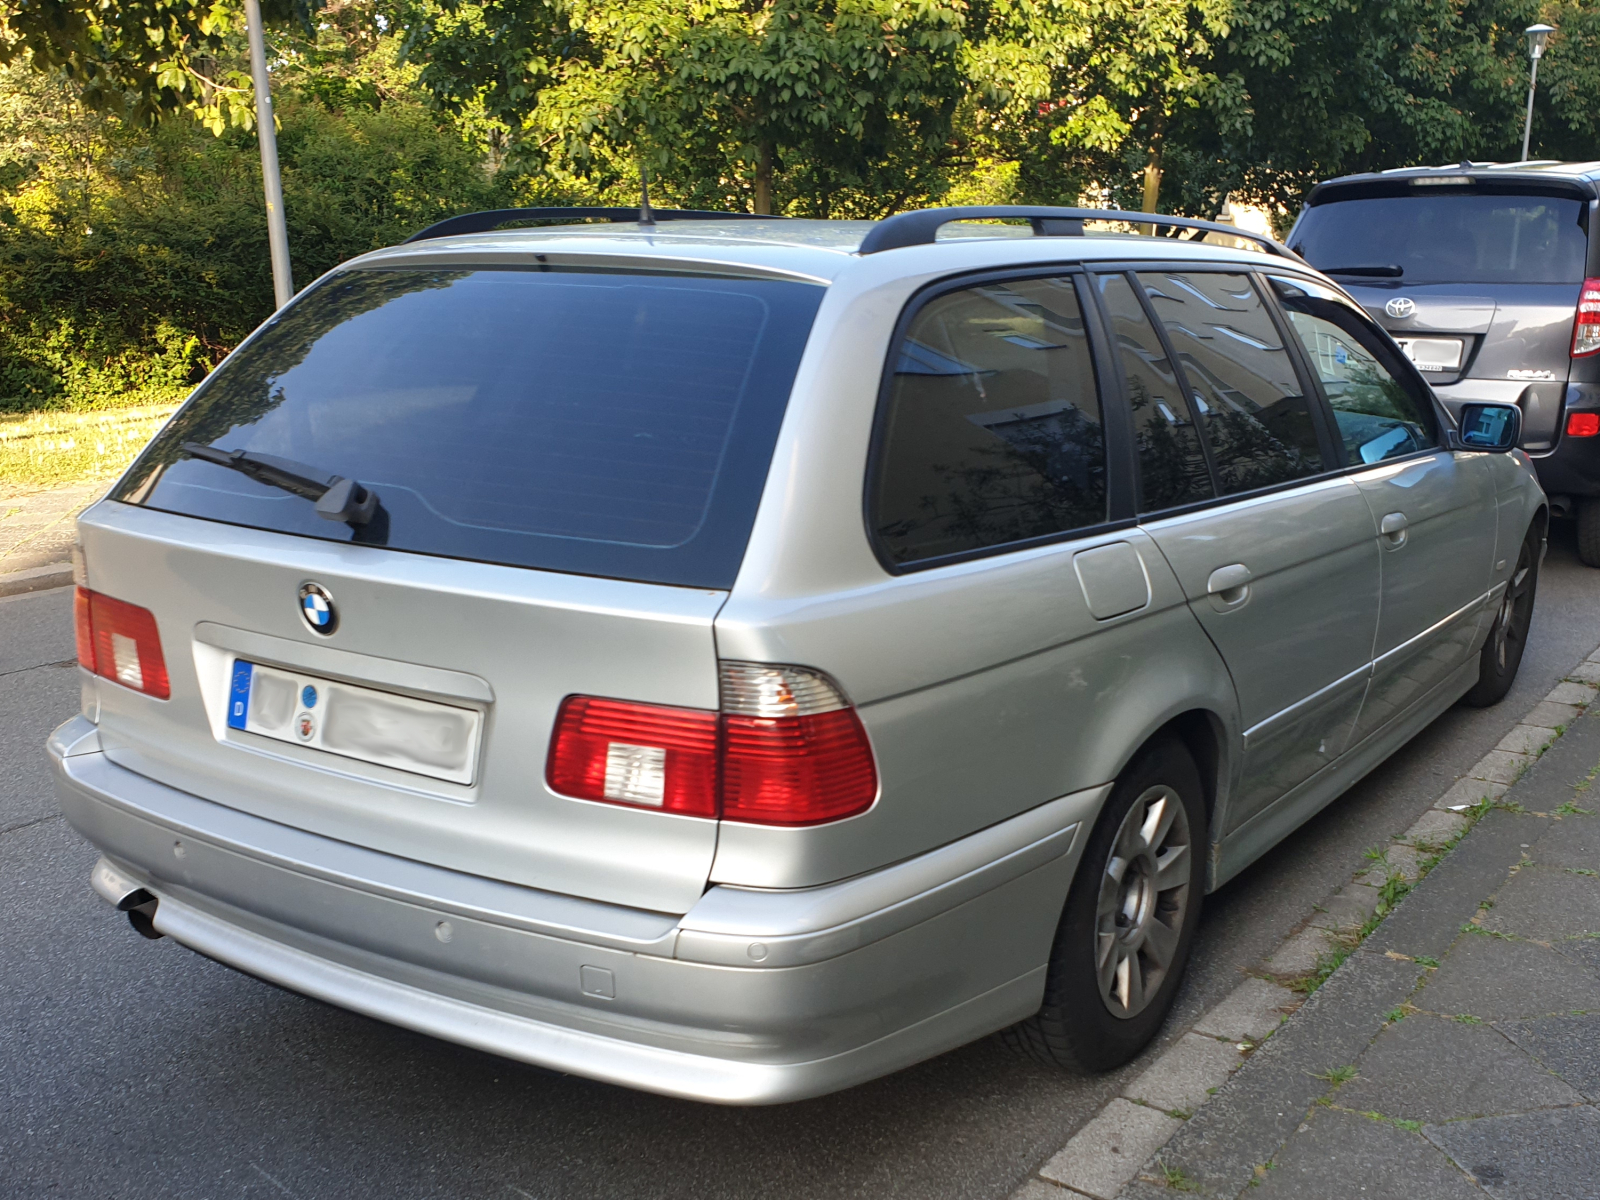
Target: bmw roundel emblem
[(1400, 307), (316, 606)]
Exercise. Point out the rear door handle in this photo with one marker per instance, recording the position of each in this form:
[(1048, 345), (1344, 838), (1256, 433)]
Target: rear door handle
[(1229, 586), (1393, 528)]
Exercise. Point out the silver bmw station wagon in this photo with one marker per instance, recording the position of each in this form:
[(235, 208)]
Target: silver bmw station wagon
[(738, 658)]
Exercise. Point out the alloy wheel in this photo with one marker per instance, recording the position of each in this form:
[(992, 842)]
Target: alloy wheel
[(1510, 621), (1144, 898)]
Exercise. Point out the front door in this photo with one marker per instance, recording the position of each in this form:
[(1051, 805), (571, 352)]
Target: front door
[(1284, 579), (1433, 511)]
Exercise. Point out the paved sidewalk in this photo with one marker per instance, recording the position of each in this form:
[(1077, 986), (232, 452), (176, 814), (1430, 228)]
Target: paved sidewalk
[(36, 532), (1456, 1054)]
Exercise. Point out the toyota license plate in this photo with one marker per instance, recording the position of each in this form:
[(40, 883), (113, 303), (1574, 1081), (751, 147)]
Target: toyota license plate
[(426, 738), (1432, 354)]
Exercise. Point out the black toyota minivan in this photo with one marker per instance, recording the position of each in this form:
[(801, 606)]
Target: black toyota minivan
[(1488, 276)]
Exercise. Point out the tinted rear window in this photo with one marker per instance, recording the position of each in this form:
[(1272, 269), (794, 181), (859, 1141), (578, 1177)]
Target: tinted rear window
[(614, 424), (1456, 238)]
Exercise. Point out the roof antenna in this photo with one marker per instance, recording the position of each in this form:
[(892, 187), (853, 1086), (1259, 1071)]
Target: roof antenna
[(646, 216)]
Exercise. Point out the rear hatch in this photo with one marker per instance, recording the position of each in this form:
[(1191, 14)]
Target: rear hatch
[(566, 465), (1477, 281)]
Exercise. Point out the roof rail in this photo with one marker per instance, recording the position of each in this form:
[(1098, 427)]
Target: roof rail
[(482, 222), (922, 227)]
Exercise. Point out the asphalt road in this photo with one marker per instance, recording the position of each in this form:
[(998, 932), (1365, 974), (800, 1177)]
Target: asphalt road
[(137, 1069)]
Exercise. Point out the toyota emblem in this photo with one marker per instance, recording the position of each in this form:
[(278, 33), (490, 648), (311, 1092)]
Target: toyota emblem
[(1400, 307)]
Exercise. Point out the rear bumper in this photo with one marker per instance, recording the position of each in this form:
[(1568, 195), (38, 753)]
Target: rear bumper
[(752, 997), (1572, 466)]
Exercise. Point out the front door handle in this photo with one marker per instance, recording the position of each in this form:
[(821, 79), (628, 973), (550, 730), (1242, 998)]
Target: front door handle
[(1229, 586), (1393, 528)]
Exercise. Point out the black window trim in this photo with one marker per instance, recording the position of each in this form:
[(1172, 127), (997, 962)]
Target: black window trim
[(1119, 508)]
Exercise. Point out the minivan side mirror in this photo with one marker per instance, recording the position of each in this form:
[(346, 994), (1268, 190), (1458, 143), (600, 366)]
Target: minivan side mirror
[(1493, 427)]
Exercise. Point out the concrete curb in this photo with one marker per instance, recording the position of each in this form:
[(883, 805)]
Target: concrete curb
[(1118, 1153), (35, 579)]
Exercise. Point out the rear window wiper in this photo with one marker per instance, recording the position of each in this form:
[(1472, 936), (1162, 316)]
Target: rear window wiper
[(336, 498), (1381, 272)]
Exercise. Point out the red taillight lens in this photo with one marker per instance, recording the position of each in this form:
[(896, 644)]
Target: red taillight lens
[(1586, 329), (119, 641), (796, 770), (643, 754), (1583, 424), (787, 749)]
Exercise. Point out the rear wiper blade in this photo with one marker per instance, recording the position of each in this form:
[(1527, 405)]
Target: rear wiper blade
[(336, 498), (1385, 272)]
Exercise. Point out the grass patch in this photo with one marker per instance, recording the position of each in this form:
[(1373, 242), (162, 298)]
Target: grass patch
[(1338, 1076), (48, 449), (1174, 1178)]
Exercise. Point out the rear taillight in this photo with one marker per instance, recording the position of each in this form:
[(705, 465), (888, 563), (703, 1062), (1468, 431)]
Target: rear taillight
[(1583, 424), (119, 641), (1586, 329), (786, 749)]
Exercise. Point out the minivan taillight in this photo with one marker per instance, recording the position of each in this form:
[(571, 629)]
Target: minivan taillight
[(119, 641), (786, 749), (1586, 329)]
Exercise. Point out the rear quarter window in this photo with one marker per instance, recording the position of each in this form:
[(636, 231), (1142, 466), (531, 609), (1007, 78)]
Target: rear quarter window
[(606, 423)]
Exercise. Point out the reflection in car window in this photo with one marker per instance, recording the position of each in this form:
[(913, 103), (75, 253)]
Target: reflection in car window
[(993, 429), (1242, 382), (1377, 415), (1172, 466)]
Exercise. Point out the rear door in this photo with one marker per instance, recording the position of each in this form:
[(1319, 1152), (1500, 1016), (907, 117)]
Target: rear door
[(1283, 574), (1433, 510), (567, 465)]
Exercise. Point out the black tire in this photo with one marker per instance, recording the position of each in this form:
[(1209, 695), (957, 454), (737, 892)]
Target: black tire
[(1075, 1028), (1502, 653), (1589, 532)]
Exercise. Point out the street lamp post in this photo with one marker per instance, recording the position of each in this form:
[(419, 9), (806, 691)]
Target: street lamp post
[(266, 131), (1538, 35)]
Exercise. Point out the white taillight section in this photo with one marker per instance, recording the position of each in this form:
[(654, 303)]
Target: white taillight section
[(125, 662), (636, 774), (1586, 329), (786, 749), (761, 690)]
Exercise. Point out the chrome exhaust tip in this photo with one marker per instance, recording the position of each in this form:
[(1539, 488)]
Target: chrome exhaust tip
[(126, 895)]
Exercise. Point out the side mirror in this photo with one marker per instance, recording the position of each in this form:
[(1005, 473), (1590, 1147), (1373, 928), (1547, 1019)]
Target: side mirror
[(1493, 427)]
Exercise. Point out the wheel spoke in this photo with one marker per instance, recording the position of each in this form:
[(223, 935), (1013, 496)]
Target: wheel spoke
[(1172, 868), (1157, 821), (1160, 942), (1104, 944), (1135, 985)]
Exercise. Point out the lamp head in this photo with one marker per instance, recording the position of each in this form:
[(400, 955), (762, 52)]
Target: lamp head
[(1538, 35)]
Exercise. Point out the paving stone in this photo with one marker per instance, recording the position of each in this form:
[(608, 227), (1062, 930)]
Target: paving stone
[(1583, 951), (1530, 1156), (1404, 860), (1586, 672), (1526, 739), (1342, 1156), (1349, 907), (1572, 841), (1552, 715), (1038, 1189), (1571, 693), (1299, 955), (1546, 903), (1436, 827), (1249, 1012), (1569, 1046), (1497, 979), (1109, 1150), (1497, 766), (1433, 1069), (1469, 792), (1181, 1078)]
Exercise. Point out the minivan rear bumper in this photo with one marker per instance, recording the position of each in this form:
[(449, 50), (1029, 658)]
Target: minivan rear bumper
[(752, 997), (1572, 467)]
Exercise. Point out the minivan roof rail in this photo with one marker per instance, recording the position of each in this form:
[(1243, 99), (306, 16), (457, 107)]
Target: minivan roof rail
[(483, 222), (921, 228)]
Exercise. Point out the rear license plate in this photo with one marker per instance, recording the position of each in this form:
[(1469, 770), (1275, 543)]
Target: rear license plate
[(1432, 354), (438, 740)]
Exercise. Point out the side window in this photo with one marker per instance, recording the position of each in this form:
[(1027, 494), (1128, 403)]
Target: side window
[(1241, 379), (993, 430), (1378, 414), (1172, 466)]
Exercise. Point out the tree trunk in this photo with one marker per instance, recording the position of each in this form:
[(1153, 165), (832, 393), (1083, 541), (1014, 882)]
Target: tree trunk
[(764, 178), (1152, 165)]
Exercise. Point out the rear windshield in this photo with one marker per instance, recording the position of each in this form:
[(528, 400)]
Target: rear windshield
[(1455, 238), (604, 423)]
